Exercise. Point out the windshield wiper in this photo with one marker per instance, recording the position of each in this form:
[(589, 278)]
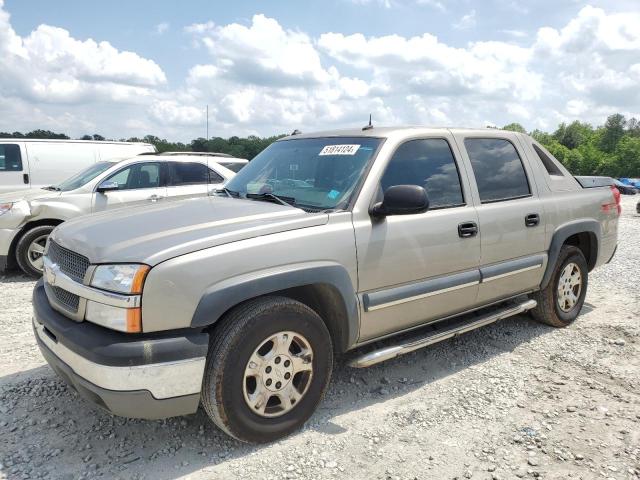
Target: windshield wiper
[(52, 187), (288, 201)]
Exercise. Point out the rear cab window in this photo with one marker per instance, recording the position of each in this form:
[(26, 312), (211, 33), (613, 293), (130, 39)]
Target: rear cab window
[(10, 158), (498, 169)]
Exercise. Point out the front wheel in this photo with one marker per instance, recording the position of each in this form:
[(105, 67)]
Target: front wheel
[(560, 302), (268, 366), (30, 250)]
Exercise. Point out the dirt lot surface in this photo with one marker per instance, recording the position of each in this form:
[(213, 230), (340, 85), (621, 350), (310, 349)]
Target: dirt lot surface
[(513, 400)]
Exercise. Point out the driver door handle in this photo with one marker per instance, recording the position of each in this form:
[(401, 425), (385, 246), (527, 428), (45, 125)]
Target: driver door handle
[(155, 198), (467, 229)]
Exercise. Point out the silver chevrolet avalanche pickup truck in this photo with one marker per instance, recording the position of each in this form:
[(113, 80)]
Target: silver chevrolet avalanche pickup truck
[(323, 244)]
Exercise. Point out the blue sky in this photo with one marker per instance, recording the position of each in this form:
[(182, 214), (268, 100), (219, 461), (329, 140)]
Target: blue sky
[(138, 67)]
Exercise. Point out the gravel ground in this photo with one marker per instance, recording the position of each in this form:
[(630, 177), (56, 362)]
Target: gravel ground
[(512, 400)]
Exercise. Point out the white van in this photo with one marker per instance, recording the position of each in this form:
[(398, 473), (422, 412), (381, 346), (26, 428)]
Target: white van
[(28, 163)]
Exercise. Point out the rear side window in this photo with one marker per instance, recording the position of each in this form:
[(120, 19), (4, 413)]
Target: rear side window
[(215, 177), (427, 163), (233, 166), (498, 169), (10, 159), (549, 164), (188, 173)]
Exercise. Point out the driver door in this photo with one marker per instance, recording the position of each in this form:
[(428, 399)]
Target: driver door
[(138, 184), (419, 267)]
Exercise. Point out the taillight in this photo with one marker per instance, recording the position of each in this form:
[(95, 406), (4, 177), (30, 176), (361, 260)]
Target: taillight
[(616, 198)]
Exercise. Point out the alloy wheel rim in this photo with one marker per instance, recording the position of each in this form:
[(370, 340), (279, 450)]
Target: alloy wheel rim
[(35, 252), (278, 374), (569, 287)]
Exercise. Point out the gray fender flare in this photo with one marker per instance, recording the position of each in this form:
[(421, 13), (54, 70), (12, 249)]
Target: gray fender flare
[(560, 236), (221, 297)]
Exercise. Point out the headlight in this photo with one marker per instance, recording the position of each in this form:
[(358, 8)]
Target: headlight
[(124, 278), (5, 207)]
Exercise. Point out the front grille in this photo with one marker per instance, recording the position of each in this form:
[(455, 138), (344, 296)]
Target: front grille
[(71, 263), (67, 299)]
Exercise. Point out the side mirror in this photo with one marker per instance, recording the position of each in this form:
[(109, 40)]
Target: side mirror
[(107, 186), (401, 200)]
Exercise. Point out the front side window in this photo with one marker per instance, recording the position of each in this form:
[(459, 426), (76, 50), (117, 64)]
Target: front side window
[(188, 173), (498, 169), (10, 159), (312, 173), (137, 176), (428, 163)]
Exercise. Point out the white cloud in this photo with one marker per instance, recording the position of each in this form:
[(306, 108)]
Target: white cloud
[(162, 28), (515, 33), (467, 21), (259, 77)]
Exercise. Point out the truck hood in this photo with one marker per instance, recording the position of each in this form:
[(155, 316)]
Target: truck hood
[(153, 234), (27, 195)]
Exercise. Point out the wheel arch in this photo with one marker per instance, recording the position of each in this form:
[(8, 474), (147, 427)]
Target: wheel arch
[(583, 234), (326, 289), (11, 256)]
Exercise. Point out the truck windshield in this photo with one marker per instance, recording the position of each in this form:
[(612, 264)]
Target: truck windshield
[(84, 176), (312, 173)]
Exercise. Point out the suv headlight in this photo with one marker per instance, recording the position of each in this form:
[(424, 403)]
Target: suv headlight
[(120, 278), (5, 207)]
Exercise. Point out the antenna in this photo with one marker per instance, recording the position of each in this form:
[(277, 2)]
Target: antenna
[(370, 126), (296, 132), (207, 121)]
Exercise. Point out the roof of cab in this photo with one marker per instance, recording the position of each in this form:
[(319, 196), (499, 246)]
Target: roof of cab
[(384, 132)]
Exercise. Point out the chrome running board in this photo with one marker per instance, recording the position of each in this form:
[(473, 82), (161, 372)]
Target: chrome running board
[(440, 332)]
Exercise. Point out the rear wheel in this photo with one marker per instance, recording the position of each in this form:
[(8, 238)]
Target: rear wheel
[(561, 301), (30, 250), (268, 366)]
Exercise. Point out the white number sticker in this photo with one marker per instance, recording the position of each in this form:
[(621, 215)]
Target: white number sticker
[(339, 150)]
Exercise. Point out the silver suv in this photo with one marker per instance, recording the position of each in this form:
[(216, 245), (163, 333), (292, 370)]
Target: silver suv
[(323, 244), (27, 217)]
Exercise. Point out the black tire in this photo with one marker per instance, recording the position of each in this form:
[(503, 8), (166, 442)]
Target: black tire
[(22, 249), (548, 309), (233, 342)]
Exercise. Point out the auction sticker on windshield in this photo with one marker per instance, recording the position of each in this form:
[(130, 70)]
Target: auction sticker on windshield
[(339, 150)]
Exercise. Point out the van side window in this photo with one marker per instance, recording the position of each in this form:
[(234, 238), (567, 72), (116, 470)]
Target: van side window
[(10, 159), (498, 169), (428, 163), (549, 165)]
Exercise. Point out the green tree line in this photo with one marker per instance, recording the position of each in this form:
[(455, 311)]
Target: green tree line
[(612, 149)]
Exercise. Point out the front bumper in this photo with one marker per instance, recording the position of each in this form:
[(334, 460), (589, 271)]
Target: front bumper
[(138, 376)]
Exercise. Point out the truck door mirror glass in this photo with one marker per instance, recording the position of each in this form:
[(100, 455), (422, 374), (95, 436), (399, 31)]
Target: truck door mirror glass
[(402, 200), (107, 186)]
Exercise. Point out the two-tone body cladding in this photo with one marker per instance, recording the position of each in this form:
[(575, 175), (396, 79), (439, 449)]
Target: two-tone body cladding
[(321, 244)]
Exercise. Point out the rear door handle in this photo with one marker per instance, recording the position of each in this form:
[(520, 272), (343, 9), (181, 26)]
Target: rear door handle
[(155, 198), (532, 220), (467, 229)]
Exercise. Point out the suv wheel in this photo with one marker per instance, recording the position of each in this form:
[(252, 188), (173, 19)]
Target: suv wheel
[(30, 250), (561, 301), (268, 366)]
